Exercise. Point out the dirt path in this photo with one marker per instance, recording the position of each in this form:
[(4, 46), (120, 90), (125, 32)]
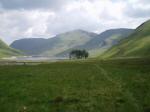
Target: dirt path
[(105, 73), (127, 93)]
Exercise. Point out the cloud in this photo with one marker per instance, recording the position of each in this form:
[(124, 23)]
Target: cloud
[(45, 18), (33, 4), (138, 8), (21, 24)]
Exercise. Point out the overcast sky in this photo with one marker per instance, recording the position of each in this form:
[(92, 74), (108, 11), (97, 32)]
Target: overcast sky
[(46, 18)]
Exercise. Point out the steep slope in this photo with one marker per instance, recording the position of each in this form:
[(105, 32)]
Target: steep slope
[(103, 41), (55, 45), (108, 38), (6, 51), (30, 45), (136, 45)]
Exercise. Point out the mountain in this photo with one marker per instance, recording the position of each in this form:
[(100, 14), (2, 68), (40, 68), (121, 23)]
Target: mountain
[(135, 45), (55, 45), (30, 45), (6, 51), (102, 42)]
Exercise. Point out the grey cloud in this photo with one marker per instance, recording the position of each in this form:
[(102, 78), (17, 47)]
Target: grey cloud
[(34, 22), (138, 9), (32, 4), (21, 24), (132, 8), (13, 25), (67, 21), (141, 1), (144, 1), (138, 13)]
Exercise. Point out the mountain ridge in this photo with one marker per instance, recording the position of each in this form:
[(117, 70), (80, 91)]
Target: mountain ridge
[(53, 45), (61, 44), (135, 45), (102, 41)]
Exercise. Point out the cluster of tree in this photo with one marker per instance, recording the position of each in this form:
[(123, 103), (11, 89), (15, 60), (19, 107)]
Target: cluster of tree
[(78, 54)]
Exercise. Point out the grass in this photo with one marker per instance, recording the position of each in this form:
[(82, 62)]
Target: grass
[(136, 44), (6, 51), (77, 86)]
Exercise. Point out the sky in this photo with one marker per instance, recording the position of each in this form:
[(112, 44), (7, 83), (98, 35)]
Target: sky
[(46, 18)]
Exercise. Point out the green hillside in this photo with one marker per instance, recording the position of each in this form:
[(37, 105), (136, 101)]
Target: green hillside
[(6, 51), (69, 40), (136, 45), (55, 45), (77, 86), (102, 41)]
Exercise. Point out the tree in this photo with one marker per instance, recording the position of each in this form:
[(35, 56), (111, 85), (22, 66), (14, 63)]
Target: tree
[(85, 54), (78, 54)]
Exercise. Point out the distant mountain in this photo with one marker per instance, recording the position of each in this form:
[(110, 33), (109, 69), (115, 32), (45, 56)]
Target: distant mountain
[(30, 45), (102, 42), (135, 45), (6, 51), (55, 45)]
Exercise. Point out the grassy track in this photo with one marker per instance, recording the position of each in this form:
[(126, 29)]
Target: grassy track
[(79, 86)]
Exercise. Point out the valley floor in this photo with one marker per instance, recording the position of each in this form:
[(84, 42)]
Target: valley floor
[(77, 86)]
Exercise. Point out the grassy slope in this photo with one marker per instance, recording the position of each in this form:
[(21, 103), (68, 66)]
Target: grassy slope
[(101, 42), (91, 86), (69, 40), (136, 45), (108, 43), (96, 47), (7, 51)]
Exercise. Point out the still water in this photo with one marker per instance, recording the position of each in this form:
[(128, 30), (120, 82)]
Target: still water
[(34, 58)]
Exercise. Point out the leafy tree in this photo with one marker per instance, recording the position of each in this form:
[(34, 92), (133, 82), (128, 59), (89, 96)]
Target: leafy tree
[(78, 54)]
